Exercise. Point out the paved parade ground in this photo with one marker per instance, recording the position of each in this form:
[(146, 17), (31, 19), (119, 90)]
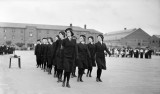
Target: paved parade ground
[(123, 76)]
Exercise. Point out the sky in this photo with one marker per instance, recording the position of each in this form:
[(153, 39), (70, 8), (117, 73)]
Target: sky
[(102, 15)]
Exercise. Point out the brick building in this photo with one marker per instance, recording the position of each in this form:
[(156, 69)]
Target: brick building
[(127, 38), (155, 43), (29, 33)]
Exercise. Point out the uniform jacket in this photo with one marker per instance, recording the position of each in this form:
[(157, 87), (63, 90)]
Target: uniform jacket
[(83, 54), (100, 55), (91, 48), (44, 50), (38, 49), (69, 50)]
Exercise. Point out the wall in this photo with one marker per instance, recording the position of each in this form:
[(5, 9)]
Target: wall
[(155, 43), (30, 34), (139, 38)]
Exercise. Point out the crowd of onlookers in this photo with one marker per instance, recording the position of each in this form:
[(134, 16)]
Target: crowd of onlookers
[(132, 53), (5, 49)]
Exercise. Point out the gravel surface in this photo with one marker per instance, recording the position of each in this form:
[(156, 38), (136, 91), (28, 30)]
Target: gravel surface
[(123, 76)]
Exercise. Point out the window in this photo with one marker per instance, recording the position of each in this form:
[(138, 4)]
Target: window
[(39, 37), (13, 30), (5, 30), (39, 31), (22, 31), (5, 37), (153, 41), (145, 41), (13, 37), (139, 44), (30, 34), (47, 32)]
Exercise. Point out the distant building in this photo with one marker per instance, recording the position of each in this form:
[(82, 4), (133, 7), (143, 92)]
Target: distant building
[(127, 38), (155, 43), (29, 33)]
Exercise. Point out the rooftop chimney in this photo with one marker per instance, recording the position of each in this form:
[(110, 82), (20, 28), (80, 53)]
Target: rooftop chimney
[(125, 28), (71, 25), (85, 26)]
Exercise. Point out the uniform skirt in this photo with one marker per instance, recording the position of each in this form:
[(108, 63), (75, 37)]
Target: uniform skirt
[(101, 62), (50, 61), (91, 62), (82, 63), (68, 64), (59, 62)]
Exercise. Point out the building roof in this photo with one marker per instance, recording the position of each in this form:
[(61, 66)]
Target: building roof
[(118, 34), (42, 26), (93, 31), (158, 36), (39, 26)]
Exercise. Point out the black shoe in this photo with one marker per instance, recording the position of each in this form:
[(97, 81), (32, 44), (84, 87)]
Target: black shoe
[(49, 73), (60, 80), (97, 79), (81, 80), (55, 76), (74, 75), (87, 75), (90, 75), (100, 80), (63, 84), (67, 85), (78, 79)]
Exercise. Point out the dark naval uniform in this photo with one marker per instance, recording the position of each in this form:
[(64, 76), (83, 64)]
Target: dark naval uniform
[(83, 54), (100, 58), (38, 54), (50, 56), (44, 56), (91, 48), (69, 54), (69, 50), (100, 55), (59, 59), (91, 61)]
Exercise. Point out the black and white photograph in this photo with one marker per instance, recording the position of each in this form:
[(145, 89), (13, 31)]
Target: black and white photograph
[(79, 46)]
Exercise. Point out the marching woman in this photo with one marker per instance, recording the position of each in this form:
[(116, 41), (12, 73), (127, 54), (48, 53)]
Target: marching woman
[(135, 55), (69, 50), (100, 47), (50, 54), (44, 53), (83, 54), (54, 61), (75, 63), (141, 53), (38, 53), (59, 56), (91, 61), (146, 53)]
